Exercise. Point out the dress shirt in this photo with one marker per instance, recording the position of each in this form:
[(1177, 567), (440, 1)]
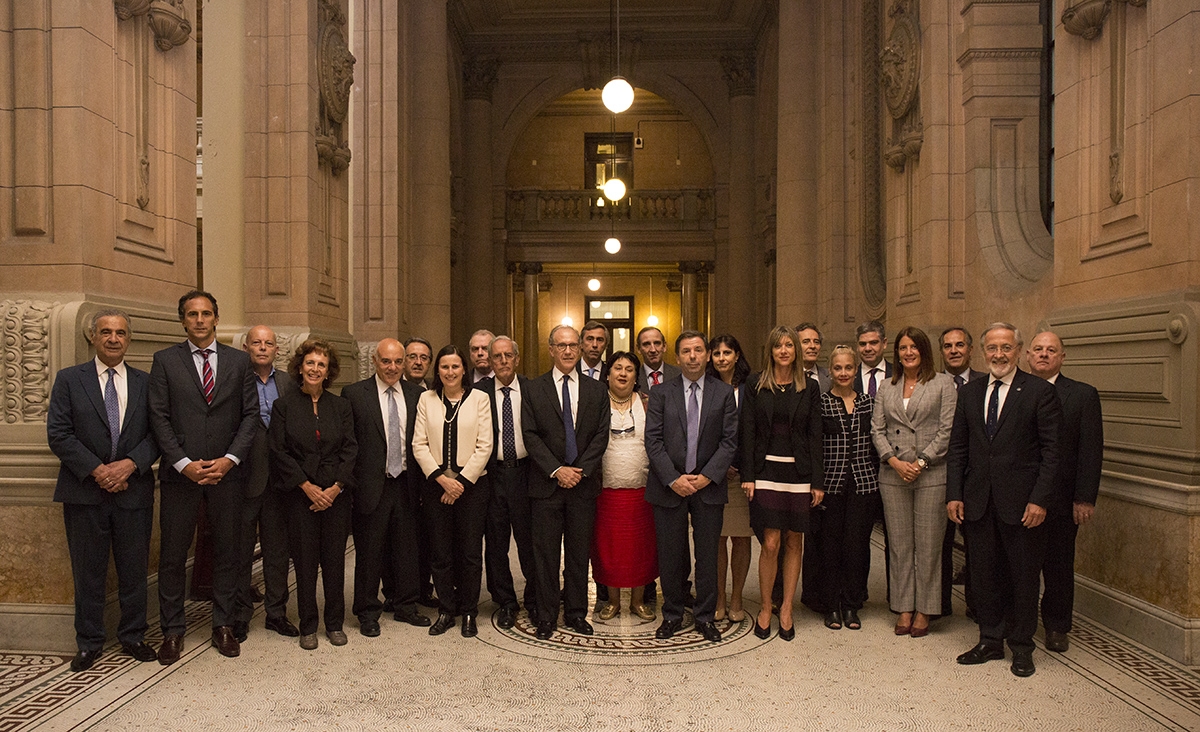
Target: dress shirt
[(687, 391), (574, 389), (812, 374), (122, 384), (1054, 379), (401, 407), (865, 371), (515, 397), (1007, 383), (965, 375), (648, 381), (477, 377), (268, 392), (592, 372), (198, 360)]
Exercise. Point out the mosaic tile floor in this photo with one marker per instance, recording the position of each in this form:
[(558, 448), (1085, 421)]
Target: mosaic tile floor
[(619, 679)]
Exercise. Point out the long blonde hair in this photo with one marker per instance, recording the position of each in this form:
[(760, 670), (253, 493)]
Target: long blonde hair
[(766, 380)]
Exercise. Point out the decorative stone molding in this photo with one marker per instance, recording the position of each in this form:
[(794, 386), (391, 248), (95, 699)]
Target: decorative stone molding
[(595, 56), (739, 74), (25, 359), (335, 77), (364, 366), (900, 61), (1086, 17), (168, 20), (479, 77), (127, 9), (872, 262)]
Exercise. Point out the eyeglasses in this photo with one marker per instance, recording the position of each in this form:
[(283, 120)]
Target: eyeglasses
[(562, 347), (418, 357), (993, 348)]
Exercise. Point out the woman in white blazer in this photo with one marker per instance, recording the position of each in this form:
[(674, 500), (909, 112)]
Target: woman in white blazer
[(452, 441), (914, 412)]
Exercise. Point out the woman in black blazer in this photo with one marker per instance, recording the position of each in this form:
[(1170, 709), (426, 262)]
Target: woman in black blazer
[(313, 451), (851, 493), (782, 469)]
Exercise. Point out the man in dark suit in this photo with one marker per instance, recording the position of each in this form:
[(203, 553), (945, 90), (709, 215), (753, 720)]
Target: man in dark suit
[(811, 584), (594, 338), (418, 355), (99, 428), (508, 508), (204, 412), (691, 436), (956, 345), (264, 514), (810, 353), (1081, 458), (871, 343), (1000, 477), (651, 346), (565, 421), (385, 500)]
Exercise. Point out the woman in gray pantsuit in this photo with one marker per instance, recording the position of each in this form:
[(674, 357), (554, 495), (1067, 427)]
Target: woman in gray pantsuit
[(914, 411)]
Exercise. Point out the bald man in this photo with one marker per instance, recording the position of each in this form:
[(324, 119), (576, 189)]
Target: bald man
[(385, 494)]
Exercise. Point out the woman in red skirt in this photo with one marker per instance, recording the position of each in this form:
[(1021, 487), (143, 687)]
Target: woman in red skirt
[(623, 547)]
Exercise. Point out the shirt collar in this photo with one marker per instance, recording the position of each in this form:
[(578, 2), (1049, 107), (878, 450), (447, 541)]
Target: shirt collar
[(382, 387), (1007, 380), (558, 375), (699, 381), (212, 346), (515, 385), (101, 368), (1054, 379)]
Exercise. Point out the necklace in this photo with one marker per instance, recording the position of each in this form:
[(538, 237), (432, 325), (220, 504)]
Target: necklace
[(452, 414), (619, 403)]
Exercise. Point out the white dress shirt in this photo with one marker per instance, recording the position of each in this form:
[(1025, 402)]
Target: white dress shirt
[(648, 381), (1005, 384), (515, 397), (120, 381), (198, 359), (573, 388), (687, 392), (592, 372), (866, 370), (401, 407)]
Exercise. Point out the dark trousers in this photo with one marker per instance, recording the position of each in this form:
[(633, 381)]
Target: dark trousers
[(845, 547), (1006, 564), (264, 522), (385, 540), (509, 515), (675, 556), (318, 540), (424, 554), (92, 530), (456, 533), (1058, 571), (948, 569), (564, 520), (812, 587), (178, 511)]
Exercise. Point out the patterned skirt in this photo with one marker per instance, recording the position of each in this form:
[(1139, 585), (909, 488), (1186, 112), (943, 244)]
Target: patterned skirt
[(781, 500)]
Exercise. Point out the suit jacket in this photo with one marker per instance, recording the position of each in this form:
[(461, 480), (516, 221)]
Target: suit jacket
[(669, 372), (921, 429), (490, 387), (545, 438), (1019, 465), (260, 448), (666, 440), (1080, 446), (370, 468), (824, 380), (861, 388), (972, 375), (845, 450), (806, 433), (185, 425), (77, 430), (296, 452), (474, 434)]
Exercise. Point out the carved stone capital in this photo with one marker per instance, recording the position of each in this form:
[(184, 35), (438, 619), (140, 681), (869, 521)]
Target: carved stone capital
[(479, 77), (739, 74), (1086, 17), (530, 268), (127, 9), (691, 267), (168, 20)]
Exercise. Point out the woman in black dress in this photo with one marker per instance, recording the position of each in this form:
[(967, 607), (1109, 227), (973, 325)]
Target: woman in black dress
[(313, 451), (782, 470)]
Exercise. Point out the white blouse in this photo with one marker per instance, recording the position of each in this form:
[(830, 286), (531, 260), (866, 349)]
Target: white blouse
[(625, 462)]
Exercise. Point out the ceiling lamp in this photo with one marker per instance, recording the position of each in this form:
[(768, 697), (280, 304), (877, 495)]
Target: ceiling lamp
[(613, 245), (614, 189), (593, 284), (652, 320), (618, 93)]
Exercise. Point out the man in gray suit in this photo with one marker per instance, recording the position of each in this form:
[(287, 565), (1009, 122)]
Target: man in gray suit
[(264, 517), (203, 411), (691, 436), (98, 427), (810, 354), (651, 346)]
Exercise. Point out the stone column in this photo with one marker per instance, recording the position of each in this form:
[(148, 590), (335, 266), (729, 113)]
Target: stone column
[(689, 308), (737, 313), (479, 77), (429, 139), (531, 342)]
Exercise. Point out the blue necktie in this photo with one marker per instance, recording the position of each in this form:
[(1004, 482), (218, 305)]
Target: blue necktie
[(395, 448), (113, 408), (693, 428), (508, 441), (993, 413), (572, 450)]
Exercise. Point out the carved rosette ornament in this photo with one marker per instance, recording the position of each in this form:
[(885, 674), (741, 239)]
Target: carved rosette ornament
[(335, 77), (899, 77), (25, 359), (168, 20)]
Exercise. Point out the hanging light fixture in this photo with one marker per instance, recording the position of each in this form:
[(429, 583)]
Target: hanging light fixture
[(612, 245), (593, 284), (618, 93), (614, 189)]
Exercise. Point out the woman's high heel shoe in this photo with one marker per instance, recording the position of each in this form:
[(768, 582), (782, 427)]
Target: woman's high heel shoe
[(761, 632)]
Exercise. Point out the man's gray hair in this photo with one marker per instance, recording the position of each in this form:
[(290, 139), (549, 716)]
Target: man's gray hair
[(506, 339), (484, 331), (108, 313), (1003, 326), (559, 327)]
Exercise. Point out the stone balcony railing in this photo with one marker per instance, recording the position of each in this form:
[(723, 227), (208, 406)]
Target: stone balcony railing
[(531, 209)]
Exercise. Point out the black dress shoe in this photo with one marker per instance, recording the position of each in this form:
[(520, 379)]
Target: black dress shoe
[(225, 642), (981, 653), (368, 627), (668, 629), (580, 626), (1022, 664), (469, 629), (545, 629), (709, 631), (84, 660), (172, 646), (761, 632), (1057, 642), (140, 651), (444, 622), (412, 617), (282, 626), (389, 605), (506, 617), (241, 630)]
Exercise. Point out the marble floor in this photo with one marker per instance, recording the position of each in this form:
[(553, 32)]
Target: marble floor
[(619, 679)]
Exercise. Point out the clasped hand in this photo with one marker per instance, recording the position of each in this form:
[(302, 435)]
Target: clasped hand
[(451, 489), (114, 477), (907, 471), (568, 477), (322, 498), (207, 472), (686, 485)]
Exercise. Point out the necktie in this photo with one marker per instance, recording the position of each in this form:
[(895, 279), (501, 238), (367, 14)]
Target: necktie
[(871, 387), (958, 381), (812, 374), (206, 375), (572, 450), (395, 450), (993, 413), (508, 441), (592, 373), (693, 427), (655, 376), (113, 408)]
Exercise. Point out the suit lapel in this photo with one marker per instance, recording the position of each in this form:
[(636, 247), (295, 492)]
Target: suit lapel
[(91, 386), (189, 363), (914, 401), (135, 388), (1012, 399)]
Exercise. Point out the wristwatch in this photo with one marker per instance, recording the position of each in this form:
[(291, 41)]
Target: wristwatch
[(922, 463)]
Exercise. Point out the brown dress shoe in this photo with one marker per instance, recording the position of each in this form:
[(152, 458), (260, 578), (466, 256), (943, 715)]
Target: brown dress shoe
[(225, 642), (171, 647)]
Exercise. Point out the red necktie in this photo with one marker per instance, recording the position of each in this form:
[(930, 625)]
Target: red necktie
[(206, 375), (655, 376)]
